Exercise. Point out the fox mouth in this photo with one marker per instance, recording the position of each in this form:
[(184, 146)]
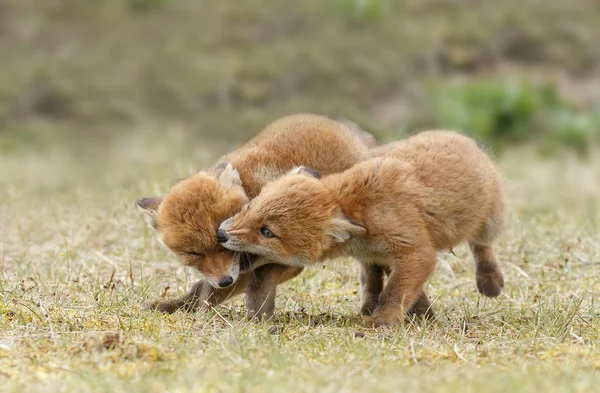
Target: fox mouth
[(247, 261)]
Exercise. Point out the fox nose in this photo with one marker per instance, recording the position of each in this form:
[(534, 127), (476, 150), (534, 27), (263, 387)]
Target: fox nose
[(225, 281), (221, 236)]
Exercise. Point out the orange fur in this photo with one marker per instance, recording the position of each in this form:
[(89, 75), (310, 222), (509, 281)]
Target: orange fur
[(188, 216), (429, 192)]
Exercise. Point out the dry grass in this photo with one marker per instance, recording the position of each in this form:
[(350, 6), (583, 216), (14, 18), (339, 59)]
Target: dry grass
[(77, 262)]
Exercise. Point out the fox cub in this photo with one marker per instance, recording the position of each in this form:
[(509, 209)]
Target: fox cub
[(429, 192), (188, 216)]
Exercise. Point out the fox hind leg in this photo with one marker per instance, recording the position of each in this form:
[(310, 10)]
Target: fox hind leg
[(487, 269)]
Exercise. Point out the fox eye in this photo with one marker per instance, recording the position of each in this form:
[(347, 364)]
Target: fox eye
[(266, 232), (195, 254)]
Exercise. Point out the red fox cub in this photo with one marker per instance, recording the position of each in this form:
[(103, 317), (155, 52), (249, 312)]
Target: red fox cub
[(188, 216), (427, 193)]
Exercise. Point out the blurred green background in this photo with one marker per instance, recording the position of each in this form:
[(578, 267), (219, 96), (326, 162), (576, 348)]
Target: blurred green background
[(76, 72)]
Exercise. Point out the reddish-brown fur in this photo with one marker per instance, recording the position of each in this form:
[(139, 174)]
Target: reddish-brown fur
[(430, 192), (188, 216)]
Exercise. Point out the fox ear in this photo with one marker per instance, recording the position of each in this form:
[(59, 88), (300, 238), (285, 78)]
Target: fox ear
[(306, 171), (366, 137), (229, 176), (180, 179), (343, 228), (218, 169), (149, 207)]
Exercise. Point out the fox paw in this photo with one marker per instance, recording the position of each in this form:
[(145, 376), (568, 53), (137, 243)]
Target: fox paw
[(367, 309), (421, 312), (165, 306), (490, 284), (379, 321), (157, 305)]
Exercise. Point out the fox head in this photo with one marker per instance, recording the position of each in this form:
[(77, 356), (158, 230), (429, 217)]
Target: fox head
[(188, 216), (294, 220)]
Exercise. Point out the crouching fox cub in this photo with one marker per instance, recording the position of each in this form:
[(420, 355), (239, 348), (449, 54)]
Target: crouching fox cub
[(427, 193), (187, 217)]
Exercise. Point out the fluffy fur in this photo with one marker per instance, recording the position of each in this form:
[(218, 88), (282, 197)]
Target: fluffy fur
[(188, 216), (427, 193)]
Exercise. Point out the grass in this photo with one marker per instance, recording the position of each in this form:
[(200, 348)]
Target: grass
[(77, 263)]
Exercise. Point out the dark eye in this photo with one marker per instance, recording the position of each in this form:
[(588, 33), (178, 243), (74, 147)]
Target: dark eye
[(195, 254), (266, 232)]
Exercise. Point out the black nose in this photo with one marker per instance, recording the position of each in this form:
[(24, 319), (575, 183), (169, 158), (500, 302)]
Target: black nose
[(221, 236), (225, 281)]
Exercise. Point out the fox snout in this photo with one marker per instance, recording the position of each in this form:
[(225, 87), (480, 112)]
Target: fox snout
[(228, 239), (222, 236), (225, 282), (221, 269), (226, 279)]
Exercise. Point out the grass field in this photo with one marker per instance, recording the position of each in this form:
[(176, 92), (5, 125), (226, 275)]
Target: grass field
[(77, 263), (104, 102)]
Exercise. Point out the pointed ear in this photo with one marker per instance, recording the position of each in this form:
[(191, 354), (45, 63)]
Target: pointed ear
[(180, 179), (366, 137), (343, 228), (229, 176), (218, 169), (149, 207), (305, 171)]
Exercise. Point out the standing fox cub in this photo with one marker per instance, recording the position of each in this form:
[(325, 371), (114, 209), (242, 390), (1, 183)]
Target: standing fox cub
[(427, 193), (188, 216)]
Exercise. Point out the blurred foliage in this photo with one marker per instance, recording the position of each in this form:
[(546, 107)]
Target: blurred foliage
[(222, 70), (499, 112), (145, 5), (361, 10)]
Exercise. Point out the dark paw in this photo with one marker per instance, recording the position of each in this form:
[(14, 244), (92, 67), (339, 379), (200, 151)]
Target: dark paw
[(380, 320), (163, 306), (381, 323), (367, 308), (421, 308), (490, 284), (421, 312)]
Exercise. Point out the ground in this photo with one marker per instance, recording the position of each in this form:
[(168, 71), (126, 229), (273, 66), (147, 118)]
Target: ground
[(104, 102), (78, 262)]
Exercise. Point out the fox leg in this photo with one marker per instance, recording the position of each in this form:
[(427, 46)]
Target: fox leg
[(371, 285), (488, 274), (260, 295), (405, 285), (422, 306), (202, 294)]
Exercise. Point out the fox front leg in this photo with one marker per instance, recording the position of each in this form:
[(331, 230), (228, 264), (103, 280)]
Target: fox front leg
[(260, 296), (202, 294), (405, 285)]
